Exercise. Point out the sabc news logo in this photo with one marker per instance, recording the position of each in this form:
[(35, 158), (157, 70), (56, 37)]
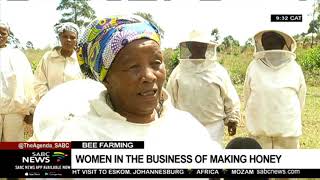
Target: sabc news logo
[(45, 157), (59, 156)]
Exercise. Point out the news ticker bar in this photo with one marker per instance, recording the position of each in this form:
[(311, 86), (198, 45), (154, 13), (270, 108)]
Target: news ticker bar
[(196, 173), (163, 173)]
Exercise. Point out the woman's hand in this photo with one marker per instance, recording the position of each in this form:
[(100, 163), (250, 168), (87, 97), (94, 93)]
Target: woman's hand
[(232, 128), (28, 119)]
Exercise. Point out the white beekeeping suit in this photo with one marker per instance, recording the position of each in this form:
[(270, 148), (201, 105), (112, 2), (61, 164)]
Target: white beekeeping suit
[(203, 87), (16, 93), (16, 89), (57, 67), (86, 116), (274, 93)]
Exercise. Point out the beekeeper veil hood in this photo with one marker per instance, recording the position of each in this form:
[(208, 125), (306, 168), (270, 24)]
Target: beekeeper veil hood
[(289, 42), (274, 48), (198, 46)]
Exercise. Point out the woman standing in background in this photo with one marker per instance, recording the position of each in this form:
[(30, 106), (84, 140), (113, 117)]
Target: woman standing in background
[(16, 89), (60, 64), (274, 92)]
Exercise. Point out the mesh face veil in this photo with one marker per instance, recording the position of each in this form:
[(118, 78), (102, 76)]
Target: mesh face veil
[(198, 46), (191, 50)]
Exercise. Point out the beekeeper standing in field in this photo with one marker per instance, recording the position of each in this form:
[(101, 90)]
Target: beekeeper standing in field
[(201, 86), (274, 92), (16, 89), (60, 64)]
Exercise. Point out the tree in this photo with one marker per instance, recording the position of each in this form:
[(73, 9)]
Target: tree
[(230, 42), (149, 18), (215, 34), (313, 29), (249, 44), (306, 41), (314, 25), (303, 39), (169, 63), (78, 12)]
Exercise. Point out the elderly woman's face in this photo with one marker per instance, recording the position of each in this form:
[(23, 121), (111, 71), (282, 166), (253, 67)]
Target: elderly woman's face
[(136, 78), (3, 36), (68, 40)]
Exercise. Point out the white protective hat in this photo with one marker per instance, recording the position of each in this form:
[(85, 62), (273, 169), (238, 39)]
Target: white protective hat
[(291, 44), (202, 37)]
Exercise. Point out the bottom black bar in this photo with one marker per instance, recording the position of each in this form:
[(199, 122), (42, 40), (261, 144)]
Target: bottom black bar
[(164, 173)]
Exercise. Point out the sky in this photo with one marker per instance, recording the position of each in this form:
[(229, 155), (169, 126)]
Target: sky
[(33, 20)]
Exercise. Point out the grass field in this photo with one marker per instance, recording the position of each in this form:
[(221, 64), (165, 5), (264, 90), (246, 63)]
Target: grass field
[(236, 66)]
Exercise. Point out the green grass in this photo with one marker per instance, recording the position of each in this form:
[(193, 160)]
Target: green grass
[(236, 66), (310, 119), (34, 56)]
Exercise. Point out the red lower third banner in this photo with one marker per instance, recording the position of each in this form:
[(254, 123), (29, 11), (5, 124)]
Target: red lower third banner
[(62, 159)]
